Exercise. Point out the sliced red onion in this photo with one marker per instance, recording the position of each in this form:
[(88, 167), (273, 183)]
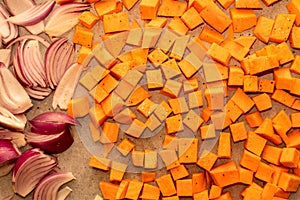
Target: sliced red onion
[(54, 143), (64, 18), (17, 138), (8, 120), (34, 14), (8, 31), (66, 87), (49, 186), (13, 96), (58, 58), (17, 7), (8, 151), (29, 169)]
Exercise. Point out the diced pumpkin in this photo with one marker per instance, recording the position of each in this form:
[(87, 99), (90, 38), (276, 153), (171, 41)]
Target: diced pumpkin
[(150, 37), (100, 163), (179, 47), (166, 185), (191, 18), (264, 172), (250, 161), (171, 8), (134, 189), (282, 27), (254, 119), (149, 8), (207, 160), (116, 22), (136, 128), (184, 187), (150, 161), (225, 174), (293, 7), (117, 171), (125, 146), (158, 22), (108, 190), (83, 36), (179, 172), (219, 20), (88, 19), (254, 4), (178, 26), (219, 54), (167, 40), (242, 19), (129, 3)]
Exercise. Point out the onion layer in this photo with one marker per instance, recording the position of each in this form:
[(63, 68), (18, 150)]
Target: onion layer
[(49, 186), (29, 169), (8, 31), (33, 15), (13, 96), (8, 120), (66, 87), (17, 138), (64, 18), (17, 7)]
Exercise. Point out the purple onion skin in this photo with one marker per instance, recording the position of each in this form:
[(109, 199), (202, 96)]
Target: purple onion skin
[(8, 151), (47, 128), (57, 117), (57, 145)]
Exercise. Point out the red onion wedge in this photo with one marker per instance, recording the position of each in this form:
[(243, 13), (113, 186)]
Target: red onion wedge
[(53, 143), (54, 117), (8, 31), (66, 87), (59, 56), (17, 7), (33, 15), (29, 169), (8, 120), (8, 151), (13, 96), (17, 138), (49, 186), (64, 18)]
